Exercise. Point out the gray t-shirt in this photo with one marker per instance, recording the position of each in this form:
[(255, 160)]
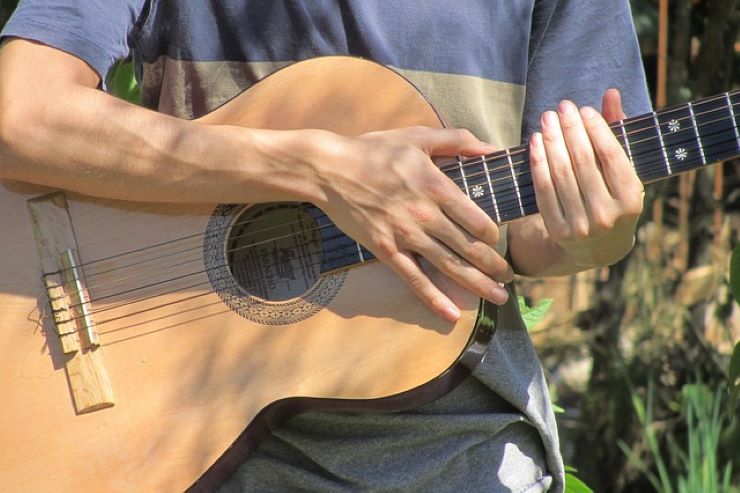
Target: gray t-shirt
[(491, 66)]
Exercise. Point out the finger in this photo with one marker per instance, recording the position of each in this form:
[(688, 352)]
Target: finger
[(461, 271), (583, 160), (545, 193), (406, 266), (620, 176), (466, 213), (478, 253), (611, 106), (449, 142), (561, 172)]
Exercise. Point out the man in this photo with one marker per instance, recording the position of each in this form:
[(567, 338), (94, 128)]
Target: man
[(490, 66)]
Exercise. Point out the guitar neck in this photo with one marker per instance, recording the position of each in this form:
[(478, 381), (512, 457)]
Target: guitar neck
[(659, 145)]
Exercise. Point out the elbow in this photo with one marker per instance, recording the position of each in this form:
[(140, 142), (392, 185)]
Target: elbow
[(14, 127)]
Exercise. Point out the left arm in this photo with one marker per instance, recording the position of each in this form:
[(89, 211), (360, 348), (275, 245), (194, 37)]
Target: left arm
[(587, 192)]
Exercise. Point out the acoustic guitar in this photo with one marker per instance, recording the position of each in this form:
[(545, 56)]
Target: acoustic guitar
[(150, 347)]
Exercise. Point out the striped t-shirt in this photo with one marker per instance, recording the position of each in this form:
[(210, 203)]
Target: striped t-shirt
[(491, 66)]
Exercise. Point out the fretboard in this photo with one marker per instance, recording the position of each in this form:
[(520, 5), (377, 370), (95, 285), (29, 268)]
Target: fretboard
[(659, 145)]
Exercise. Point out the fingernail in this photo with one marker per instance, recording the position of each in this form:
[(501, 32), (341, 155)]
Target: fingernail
[(452, 313), (566, 107), (536, 140), (499, 295), (588, 113), (549, 119)]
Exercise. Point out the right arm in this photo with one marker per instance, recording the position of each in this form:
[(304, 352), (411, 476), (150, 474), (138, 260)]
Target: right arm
[(58, 129)]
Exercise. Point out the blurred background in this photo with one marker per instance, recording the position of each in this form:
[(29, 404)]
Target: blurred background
[(639, 356)]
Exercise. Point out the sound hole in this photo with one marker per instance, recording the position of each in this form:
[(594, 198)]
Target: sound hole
[(274, 251)]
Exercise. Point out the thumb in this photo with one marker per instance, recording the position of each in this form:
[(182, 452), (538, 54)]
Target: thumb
[(611, 106), (449, 142)]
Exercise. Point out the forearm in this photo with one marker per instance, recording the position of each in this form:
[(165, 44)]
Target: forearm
[(92, 143), (62, 132)]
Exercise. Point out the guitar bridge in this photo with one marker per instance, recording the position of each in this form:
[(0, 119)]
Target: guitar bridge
[(70, 303)]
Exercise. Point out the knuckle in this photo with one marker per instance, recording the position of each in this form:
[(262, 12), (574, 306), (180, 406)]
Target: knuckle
[(417, 283), (559, 235), (465, 134), (582, 155), (476, 250), (385, 247), (579, 230), (560, 172), (603, 220), (613, 153), (503, 271), (452, 262), (485, 230)]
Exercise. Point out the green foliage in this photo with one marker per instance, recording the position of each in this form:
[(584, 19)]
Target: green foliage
[(698, 458), (573, 484), (733, 379), (533, 314), (122, 82), (701, 408), (644, 409), (735, 272)]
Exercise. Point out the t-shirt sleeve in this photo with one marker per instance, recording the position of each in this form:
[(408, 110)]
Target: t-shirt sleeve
[(578, 49), (96, 31)]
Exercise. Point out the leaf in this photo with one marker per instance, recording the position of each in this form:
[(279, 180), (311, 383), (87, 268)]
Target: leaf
[(532, 315), (575, 485), (734, 377), (557, 409), (735, 272)]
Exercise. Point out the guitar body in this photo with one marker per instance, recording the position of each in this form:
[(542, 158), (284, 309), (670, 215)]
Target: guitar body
[(193, 369)]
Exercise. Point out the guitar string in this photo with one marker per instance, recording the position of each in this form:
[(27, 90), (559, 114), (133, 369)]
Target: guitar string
[(467, 163), (502, 206), (477, 160), (457, 164), (531, 202), (198, 258)]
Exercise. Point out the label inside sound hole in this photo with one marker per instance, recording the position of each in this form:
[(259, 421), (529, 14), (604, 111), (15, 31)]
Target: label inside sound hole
[(274, 251)]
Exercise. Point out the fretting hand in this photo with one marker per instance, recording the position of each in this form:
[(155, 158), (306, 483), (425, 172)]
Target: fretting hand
[(398, 204), (587, 192)]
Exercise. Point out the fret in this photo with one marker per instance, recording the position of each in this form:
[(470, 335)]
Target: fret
[(490, 190), (716, 127), (526, 185), (360, 256), (504, 187), (668, 168), (731, 109), (462, 175), (515, 181), (622, 138), (478, 180), (695, 126), (680, 145), (647, 154)]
